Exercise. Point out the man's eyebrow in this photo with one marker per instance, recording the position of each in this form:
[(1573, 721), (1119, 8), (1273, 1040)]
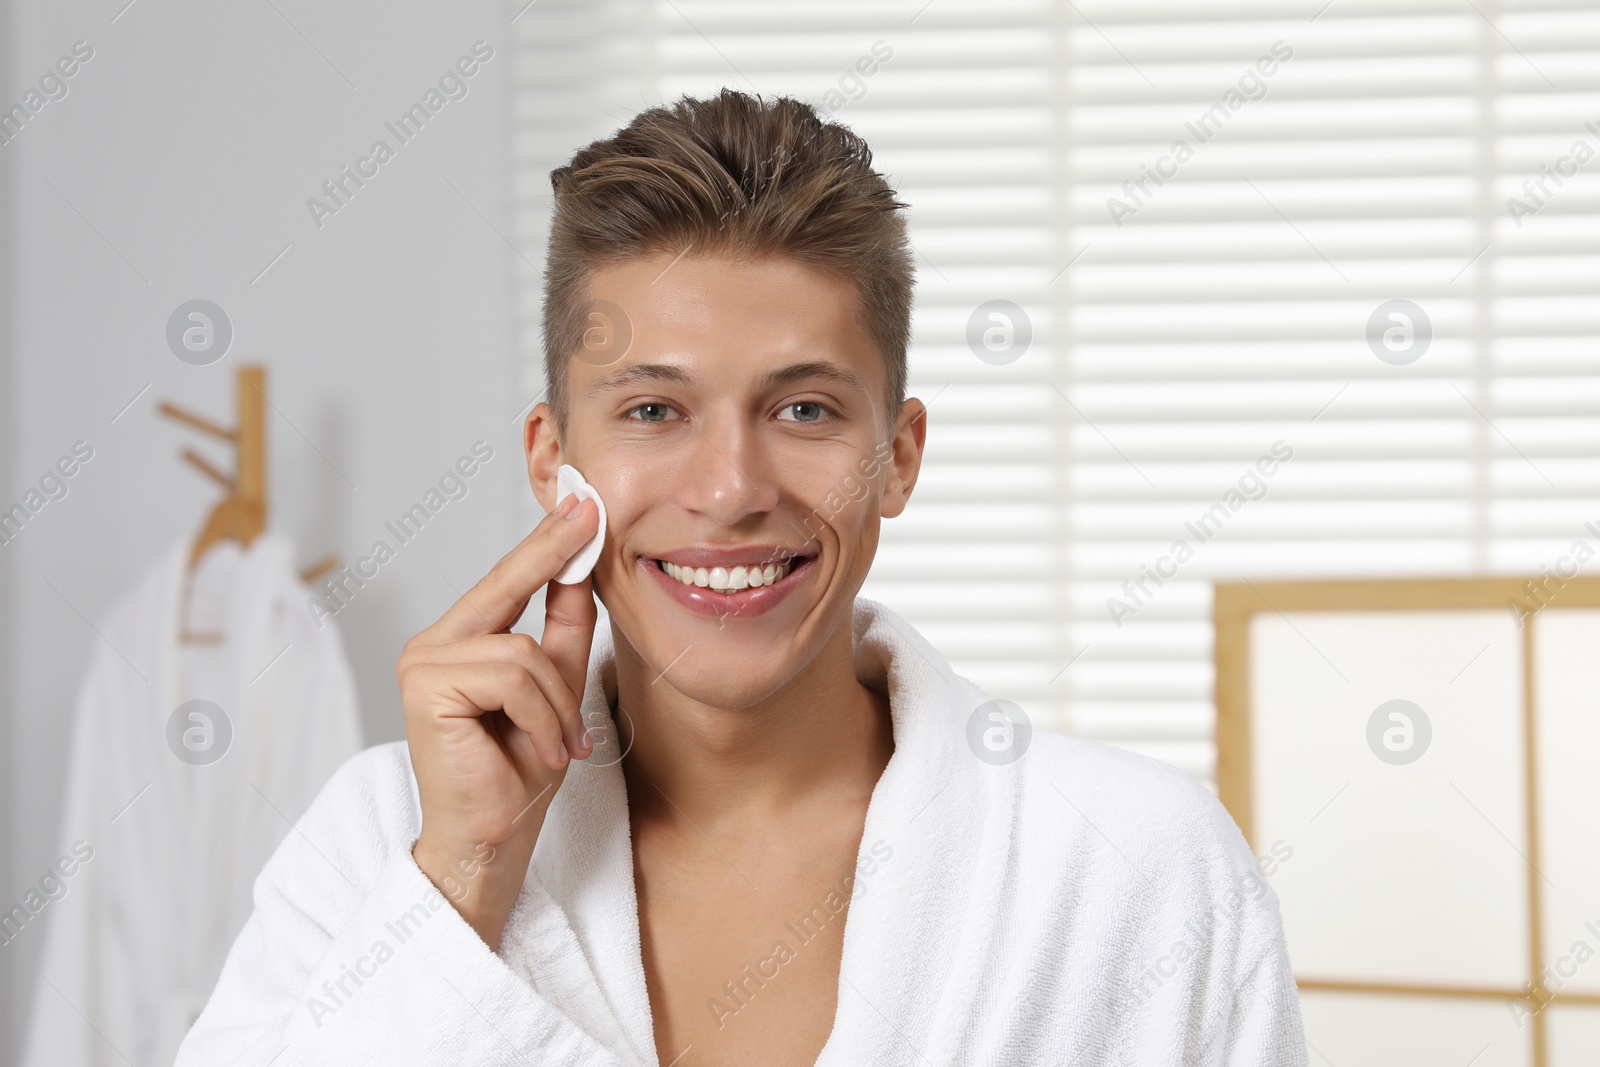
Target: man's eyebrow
[(639, 373), (816, 368)]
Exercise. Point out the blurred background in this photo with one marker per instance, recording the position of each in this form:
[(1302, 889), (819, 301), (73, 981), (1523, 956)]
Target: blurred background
[(1209, 292)]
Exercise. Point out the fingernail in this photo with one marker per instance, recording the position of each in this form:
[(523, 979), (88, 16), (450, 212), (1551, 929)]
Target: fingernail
[(565, 755), (576, 504), (566, 504)]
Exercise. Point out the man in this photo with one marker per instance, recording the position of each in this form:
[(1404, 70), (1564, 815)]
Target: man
[(792, 834)]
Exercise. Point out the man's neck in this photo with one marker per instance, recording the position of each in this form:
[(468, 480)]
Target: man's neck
[(822, 739)]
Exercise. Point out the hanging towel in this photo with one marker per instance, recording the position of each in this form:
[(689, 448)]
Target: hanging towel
[(180, 813), (1081, 905)]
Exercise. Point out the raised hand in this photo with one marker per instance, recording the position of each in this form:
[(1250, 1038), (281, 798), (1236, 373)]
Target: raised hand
[(493, 718)]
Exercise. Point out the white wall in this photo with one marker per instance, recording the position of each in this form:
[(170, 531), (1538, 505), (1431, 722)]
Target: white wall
[(7, 450), (187, 148)]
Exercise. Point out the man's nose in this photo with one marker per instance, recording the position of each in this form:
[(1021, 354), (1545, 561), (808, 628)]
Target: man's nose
[(728, 473)]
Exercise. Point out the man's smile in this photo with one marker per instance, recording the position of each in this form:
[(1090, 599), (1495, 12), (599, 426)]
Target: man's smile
[(730, 581)]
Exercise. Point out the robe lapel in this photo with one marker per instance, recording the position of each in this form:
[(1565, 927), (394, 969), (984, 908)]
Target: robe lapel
[(921, 911)]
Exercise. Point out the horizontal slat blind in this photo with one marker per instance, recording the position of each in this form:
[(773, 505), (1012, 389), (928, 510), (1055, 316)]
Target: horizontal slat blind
[(1229, 310)]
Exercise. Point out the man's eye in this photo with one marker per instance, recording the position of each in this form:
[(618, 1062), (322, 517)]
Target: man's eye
[(813, 411), (655, 409)]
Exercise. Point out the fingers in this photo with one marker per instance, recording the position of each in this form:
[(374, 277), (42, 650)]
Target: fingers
[(471, 689), (569, 618), (498, 600), (523, 651)]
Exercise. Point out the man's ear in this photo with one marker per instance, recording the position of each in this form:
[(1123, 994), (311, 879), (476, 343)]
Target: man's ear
[(910, 433), (542, 444)]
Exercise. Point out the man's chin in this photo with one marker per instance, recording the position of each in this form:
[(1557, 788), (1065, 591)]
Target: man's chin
[(715, 673)]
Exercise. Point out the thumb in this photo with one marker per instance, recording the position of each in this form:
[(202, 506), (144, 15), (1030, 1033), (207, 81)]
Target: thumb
[(569, 619)]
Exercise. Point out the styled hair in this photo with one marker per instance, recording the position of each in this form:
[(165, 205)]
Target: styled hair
[(729, 175)]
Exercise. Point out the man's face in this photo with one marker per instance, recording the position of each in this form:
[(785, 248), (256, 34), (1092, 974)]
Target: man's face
[(741, 436)]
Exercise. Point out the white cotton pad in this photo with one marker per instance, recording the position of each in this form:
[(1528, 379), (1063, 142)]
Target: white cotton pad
[(568, 480)]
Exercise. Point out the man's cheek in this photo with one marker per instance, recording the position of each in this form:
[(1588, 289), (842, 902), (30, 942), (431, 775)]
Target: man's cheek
[(872, 465)]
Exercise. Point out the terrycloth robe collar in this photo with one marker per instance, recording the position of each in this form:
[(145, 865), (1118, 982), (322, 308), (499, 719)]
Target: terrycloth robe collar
[(948, 817)]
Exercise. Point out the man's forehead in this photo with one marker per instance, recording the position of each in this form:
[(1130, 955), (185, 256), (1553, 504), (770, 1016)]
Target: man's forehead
[(688, 318), (688, 289)]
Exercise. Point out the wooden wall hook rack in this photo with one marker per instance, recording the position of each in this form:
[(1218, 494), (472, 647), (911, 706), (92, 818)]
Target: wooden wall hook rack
[(241, 515)]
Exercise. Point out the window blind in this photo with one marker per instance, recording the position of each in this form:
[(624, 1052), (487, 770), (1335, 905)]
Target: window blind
[(1282, 311)]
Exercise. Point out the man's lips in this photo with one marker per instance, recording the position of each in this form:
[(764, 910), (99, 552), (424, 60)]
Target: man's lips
[(744, 603)]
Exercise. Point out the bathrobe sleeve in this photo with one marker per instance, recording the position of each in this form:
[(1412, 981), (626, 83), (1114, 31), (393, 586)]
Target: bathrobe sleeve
[(1252, 988), (1266, 1029), (352, 956), (1168, 926)]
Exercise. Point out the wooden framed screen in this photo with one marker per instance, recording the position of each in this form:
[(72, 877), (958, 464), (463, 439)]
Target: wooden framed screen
[(1417, 763)]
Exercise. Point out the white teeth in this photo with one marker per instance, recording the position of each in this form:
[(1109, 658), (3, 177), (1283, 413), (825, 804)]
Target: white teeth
[(724, 580)]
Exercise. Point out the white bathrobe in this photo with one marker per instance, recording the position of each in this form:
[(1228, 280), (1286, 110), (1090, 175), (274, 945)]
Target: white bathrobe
[(1082, 905), (134, 947)]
